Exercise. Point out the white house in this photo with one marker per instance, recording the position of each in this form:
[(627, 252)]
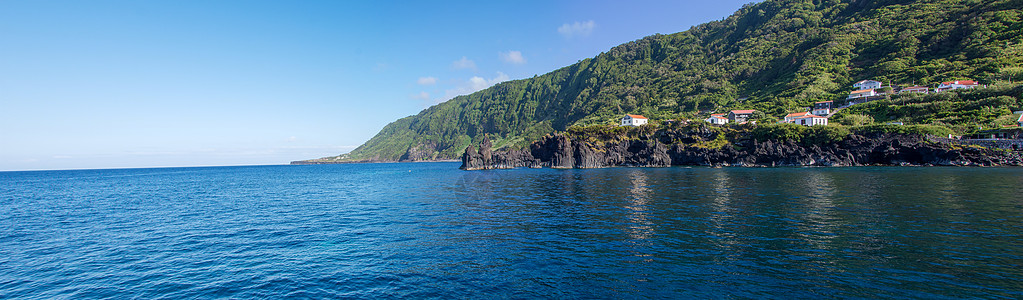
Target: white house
[(862, 93), (822, 108), (793, 116), (741, 115), (633, 120), (867, 85), (1020, 120), (955, 85), (717, 119), (915, 89), (811, 120)]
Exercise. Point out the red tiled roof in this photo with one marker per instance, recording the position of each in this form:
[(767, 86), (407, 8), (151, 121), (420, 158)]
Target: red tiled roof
[(823, 102), (962, 82), (797, 114), (715, 115), (719, 117), (636, 116), (744, 111), (810, 116), (861, 91)]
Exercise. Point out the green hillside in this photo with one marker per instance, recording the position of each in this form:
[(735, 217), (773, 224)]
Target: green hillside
[(962, 111), (776, 56)]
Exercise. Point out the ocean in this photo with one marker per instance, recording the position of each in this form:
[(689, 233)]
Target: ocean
[(429, 230)]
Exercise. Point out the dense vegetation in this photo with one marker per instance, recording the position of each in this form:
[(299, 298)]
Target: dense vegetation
[(824, 135), (963, 110), (776, 56)]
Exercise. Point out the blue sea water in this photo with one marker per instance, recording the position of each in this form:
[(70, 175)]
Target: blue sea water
[(428, 230)]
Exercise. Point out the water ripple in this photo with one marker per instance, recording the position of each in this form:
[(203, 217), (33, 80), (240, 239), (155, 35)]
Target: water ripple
[(431, 231)]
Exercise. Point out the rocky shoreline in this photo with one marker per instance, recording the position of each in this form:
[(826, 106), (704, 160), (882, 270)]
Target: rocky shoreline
[(886, 149)]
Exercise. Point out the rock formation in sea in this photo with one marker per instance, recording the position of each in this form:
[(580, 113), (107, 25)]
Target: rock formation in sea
[(561, 151)]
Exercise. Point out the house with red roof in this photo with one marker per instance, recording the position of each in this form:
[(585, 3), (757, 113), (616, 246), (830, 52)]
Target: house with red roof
[(955, 85), (633, 120), (915, 89), (717, 119), (810, 120), (822, 108), (862, 93), (793, 116), (739, 116)]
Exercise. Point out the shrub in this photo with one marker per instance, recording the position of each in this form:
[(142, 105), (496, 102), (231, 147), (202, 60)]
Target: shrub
[(779, 132), (597, 132), (854, 120), (823, 135)]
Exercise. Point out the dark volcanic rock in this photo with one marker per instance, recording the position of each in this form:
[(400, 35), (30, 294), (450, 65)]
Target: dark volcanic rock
[(420, 152), (485, 158), (559, 151), (554, 150)]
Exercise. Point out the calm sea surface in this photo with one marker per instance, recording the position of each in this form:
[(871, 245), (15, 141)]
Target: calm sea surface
[(428, 230)]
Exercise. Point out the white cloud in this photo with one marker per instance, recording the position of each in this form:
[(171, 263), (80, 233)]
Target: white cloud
[(427, 80), (464, 63), (577, 29), (474, 84), (513, 57), (421, 96), (477, 83)]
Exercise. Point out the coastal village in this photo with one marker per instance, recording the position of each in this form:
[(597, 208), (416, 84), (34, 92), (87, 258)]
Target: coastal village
[(863, 91), (656, 141)]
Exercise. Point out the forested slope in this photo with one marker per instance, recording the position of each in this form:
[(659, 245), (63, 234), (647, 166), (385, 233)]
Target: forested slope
[(776, 56)]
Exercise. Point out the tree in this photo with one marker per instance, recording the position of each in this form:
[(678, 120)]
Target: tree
[(854, 120), (757, 116)]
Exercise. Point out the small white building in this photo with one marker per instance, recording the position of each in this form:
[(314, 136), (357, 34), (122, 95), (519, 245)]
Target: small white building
[(717, 119), (915, 89), (633, 120), (867, 85), (862, 93), (822, 108), (740, 115), (1020, 120), (811, 120), (955, 85), (793, 116)]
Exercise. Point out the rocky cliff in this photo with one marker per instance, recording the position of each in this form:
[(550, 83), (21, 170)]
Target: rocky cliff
[(668, 149)]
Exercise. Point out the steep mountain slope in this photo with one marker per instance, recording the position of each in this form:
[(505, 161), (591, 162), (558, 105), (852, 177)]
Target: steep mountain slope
[(775, 56)]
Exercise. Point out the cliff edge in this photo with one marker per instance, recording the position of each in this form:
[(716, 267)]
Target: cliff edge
[(689, 148)]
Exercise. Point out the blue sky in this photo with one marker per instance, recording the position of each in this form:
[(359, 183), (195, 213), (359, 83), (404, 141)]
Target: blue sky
[(119, 84)]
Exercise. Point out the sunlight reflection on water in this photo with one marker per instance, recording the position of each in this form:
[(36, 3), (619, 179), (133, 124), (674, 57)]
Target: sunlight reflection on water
[(378, 230)]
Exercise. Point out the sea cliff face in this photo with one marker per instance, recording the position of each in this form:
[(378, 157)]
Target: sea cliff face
[(559, 151)]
